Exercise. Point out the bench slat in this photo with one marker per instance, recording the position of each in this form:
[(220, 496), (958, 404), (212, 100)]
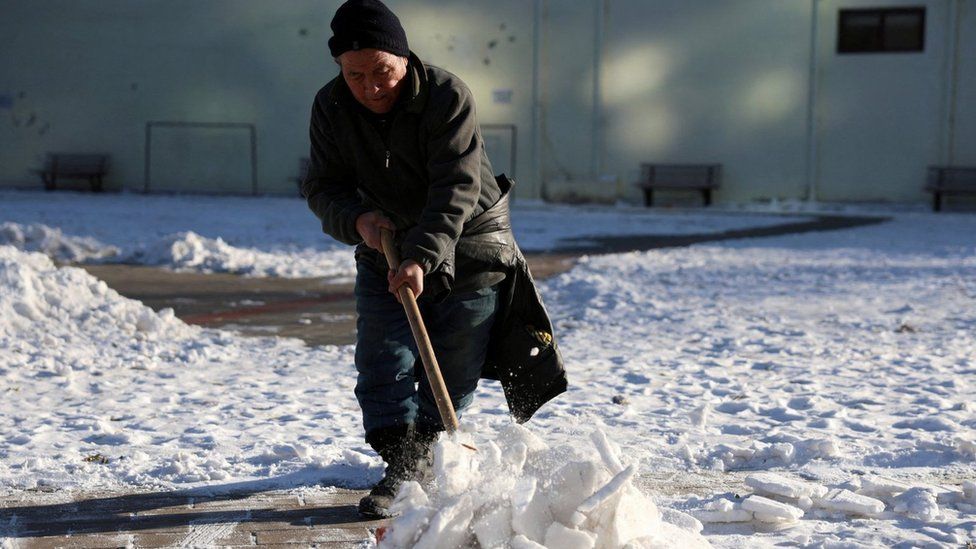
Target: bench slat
[(700, 177), (74, 166)]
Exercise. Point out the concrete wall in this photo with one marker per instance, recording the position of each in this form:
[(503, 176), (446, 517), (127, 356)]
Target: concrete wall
[(880, 116), (710, 82), (964, 96), (592, 88), (87, 75)]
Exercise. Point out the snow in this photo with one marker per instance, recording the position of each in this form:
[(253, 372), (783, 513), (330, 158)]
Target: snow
[(841, 360), (768, 510), (844, 501), (528, 494), (275, 236)]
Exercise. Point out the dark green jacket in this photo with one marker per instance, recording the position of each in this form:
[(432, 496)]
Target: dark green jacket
[(430, 175), (428, 172)]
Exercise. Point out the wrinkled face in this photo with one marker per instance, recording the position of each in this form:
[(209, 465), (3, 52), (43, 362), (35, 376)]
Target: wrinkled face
[(374, 77)]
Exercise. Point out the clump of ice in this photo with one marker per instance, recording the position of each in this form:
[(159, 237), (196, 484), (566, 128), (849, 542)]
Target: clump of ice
[(51, 242), (517, 491)]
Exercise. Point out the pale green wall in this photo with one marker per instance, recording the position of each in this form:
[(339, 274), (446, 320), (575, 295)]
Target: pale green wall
[(679, 81)]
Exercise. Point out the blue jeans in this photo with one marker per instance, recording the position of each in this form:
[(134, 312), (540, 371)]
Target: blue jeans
[(386, 353)]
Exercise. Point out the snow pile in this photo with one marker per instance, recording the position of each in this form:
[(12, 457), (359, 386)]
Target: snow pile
[(100, 390), (521, 493), (41, 298), (37, 237), (189, 251)]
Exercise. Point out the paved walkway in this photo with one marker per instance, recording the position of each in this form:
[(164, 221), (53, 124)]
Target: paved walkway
[(322, 312), (310, 518), (319, 312)]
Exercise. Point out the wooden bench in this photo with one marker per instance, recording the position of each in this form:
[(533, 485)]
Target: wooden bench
[(302, 173), (699, 177), (74, 166), (950, 180)]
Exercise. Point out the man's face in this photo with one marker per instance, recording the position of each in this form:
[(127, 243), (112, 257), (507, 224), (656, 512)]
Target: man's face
[(375, 77)]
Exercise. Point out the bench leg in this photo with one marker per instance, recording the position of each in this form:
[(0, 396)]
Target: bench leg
[(707, 196), (648, 198), (936, 201), (96, 184)]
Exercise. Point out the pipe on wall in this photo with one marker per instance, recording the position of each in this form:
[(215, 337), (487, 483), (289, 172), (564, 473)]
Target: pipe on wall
[(813, 113), (597, 156), (951, 63), (537, 116)]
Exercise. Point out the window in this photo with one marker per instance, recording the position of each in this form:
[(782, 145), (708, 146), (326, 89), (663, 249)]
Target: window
[(881, 30)]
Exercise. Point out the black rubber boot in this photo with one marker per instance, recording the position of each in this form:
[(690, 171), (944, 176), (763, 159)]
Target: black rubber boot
[(407, 457)]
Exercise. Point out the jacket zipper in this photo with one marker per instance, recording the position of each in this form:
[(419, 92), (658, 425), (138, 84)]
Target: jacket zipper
[(387, 158)]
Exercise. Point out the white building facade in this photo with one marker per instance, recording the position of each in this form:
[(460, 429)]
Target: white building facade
[(214, 95)]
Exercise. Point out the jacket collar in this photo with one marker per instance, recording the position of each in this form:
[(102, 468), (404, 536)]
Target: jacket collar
[(418, 88)]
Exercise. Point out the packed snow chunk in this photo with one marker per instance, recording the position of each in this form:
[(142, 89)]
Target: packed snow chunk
[(607, 451), (530, 510), (966, 447), (494, 527), (453, 466), (412, 507), (681, 520), (918, 503), (969, 492), (723, 510), (768, 510), (605, 495), (522, 542), (516, 496), (844, 501), (932, 423), (450, 525), (634, 516), (779, 485), (699, 416), (670, 536), (566, 538), (516, 433), (880, 487), (761, 454), (574, 482)]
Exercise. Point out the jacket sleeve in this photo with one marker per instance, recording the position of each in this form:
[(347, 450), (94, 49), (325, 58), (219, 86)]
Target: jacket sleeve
[(330, 187), (453, 169)]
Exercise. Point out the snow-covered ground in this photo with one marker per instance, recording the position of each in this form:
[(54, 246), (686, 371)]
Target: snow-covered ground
[(276, 236), (812, 390)]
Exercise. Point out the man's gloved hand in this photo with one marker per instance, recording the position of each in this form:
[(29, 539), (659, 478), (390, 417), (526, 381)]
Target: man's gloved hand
[(409, 273), (368, 226)]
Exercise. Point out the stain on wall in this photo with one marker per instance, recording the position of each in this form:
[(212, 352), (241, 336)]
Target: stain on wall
[(22, 114)]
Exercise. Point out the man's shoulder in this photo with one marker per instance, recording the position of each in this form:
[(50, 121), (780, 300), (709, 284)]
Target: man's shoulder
[(444, 83), (325, 95)]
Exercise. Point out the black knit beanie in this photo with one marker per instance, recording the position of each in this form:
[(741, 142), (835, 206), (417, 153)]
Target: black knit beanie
[(362, 24)]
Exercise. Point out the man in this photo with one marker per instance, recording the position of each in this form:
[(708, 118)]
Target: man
[(396, 145)]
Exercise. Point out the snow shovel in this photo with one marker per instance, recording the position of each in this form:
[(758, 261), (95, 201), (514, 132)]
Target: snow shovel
[(433, 371)]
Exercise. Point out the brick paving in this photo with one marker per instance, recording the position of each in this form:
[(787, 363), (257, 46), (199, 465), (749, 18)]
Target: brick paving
[(321, 518)]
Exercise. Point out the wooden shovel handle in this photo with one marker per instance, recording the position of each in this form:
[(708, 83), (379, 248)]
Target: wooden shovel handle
[(441, 396)]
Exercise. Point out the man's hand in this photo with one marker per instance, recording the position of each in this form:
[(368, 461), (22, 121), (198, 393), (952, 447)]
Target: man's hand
[(409, 273), (368, 226)]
